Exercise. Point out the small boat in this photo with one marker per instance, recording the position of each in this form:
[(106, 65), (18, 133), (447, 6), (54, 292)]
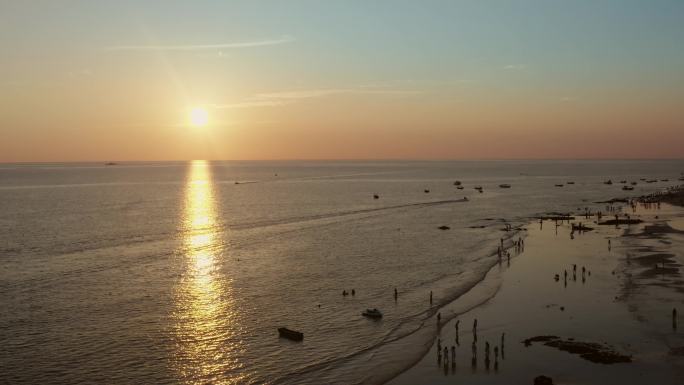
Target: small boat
[(460, 187), (376, 196), (478, 188), (291, 334), (664, 180), (623, 181), (110, 164), (642, 179), (559, 185), (651, 181), (372, 313), (444, 227), (570, 182), (681, 178), (505, 185), (633, 183), (457, 183), (627, 188), (608, 182), (426, 191)]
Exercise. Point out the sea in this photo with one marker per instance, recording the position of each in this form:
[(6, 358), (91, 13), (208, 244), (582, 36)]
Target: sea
[(182, 272)]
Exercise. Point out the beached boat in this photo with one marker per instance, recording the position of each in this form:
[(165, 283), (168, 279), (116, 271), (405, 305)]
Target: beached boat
[(372, 313), (291, 334), (505, 185)]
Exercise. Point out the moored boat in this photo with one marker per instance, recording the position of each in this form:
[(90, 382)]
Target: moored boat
[(291, 334), (505, 185), (372, 313)]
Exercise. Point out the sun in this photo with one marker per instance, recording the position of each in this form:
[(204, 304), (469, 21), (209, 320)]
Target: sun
[(199, 117)]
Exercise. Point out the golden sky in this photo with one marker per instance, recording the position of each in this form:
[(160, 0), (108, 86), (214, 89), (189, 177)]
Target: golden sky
[(90, 80)]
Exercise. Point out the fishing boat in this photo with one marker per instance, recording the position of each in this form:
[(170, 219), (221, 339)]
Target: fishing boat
[(291, 334), (505, 185), (372, 313)]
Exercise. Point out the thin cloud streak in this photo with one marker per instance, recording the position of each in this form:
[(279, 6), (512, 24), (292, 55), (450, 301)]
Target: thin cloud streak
[(275, 99), (199, 47)]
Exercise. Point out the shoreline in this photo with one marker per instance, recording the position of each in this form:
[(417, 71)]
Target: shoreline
[(425, 368)]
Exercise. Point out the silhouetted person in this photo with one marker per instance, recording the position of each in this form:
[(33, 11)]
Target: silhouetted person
[(453, 354), (430, 297), (396, 294), (353, 292), (439, 317), (674, 318), (475, 326), (344, 293)]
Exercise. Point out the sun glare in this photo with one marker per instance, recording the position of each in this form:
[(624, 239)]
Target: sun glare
[(199, 117)]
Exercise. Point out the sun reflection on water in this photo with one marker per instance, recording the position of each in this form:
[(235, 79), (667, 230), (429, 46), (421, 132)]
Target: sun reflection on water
[(205, 316)]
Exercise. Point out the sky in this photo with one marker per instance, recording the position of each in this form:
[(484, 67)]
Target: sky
[(97, 80)]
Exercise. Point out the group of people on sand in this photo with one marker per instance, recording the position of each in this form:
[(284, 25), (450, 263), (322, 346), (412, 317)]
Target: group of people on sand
[(519, 245), (443, 352), (585, 273), (346, 293)]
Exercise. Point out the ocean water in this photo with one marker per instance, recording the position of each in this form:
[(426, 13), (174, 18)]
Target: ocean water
[(181, 272)]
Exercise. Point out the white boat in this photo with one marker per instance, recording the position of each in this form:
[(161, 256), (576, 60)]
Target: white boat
[(372, 313)]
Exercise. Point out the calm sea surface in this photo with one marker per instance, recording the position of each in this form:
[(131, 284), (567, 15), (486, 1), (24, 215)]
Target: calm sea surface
[(175, 273)]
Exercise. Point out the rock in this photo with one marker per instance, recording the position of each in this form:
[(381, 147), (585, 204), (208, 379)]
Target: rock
[(543, 380)]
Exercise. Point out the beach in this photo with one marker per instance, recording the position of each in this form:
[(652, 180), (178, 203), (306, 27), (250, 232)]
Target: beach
[(620, 307), (183, 272)]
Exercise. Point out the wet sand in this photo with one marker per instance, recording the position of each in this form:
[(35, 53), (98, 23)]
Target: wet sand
[(622, 307)]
